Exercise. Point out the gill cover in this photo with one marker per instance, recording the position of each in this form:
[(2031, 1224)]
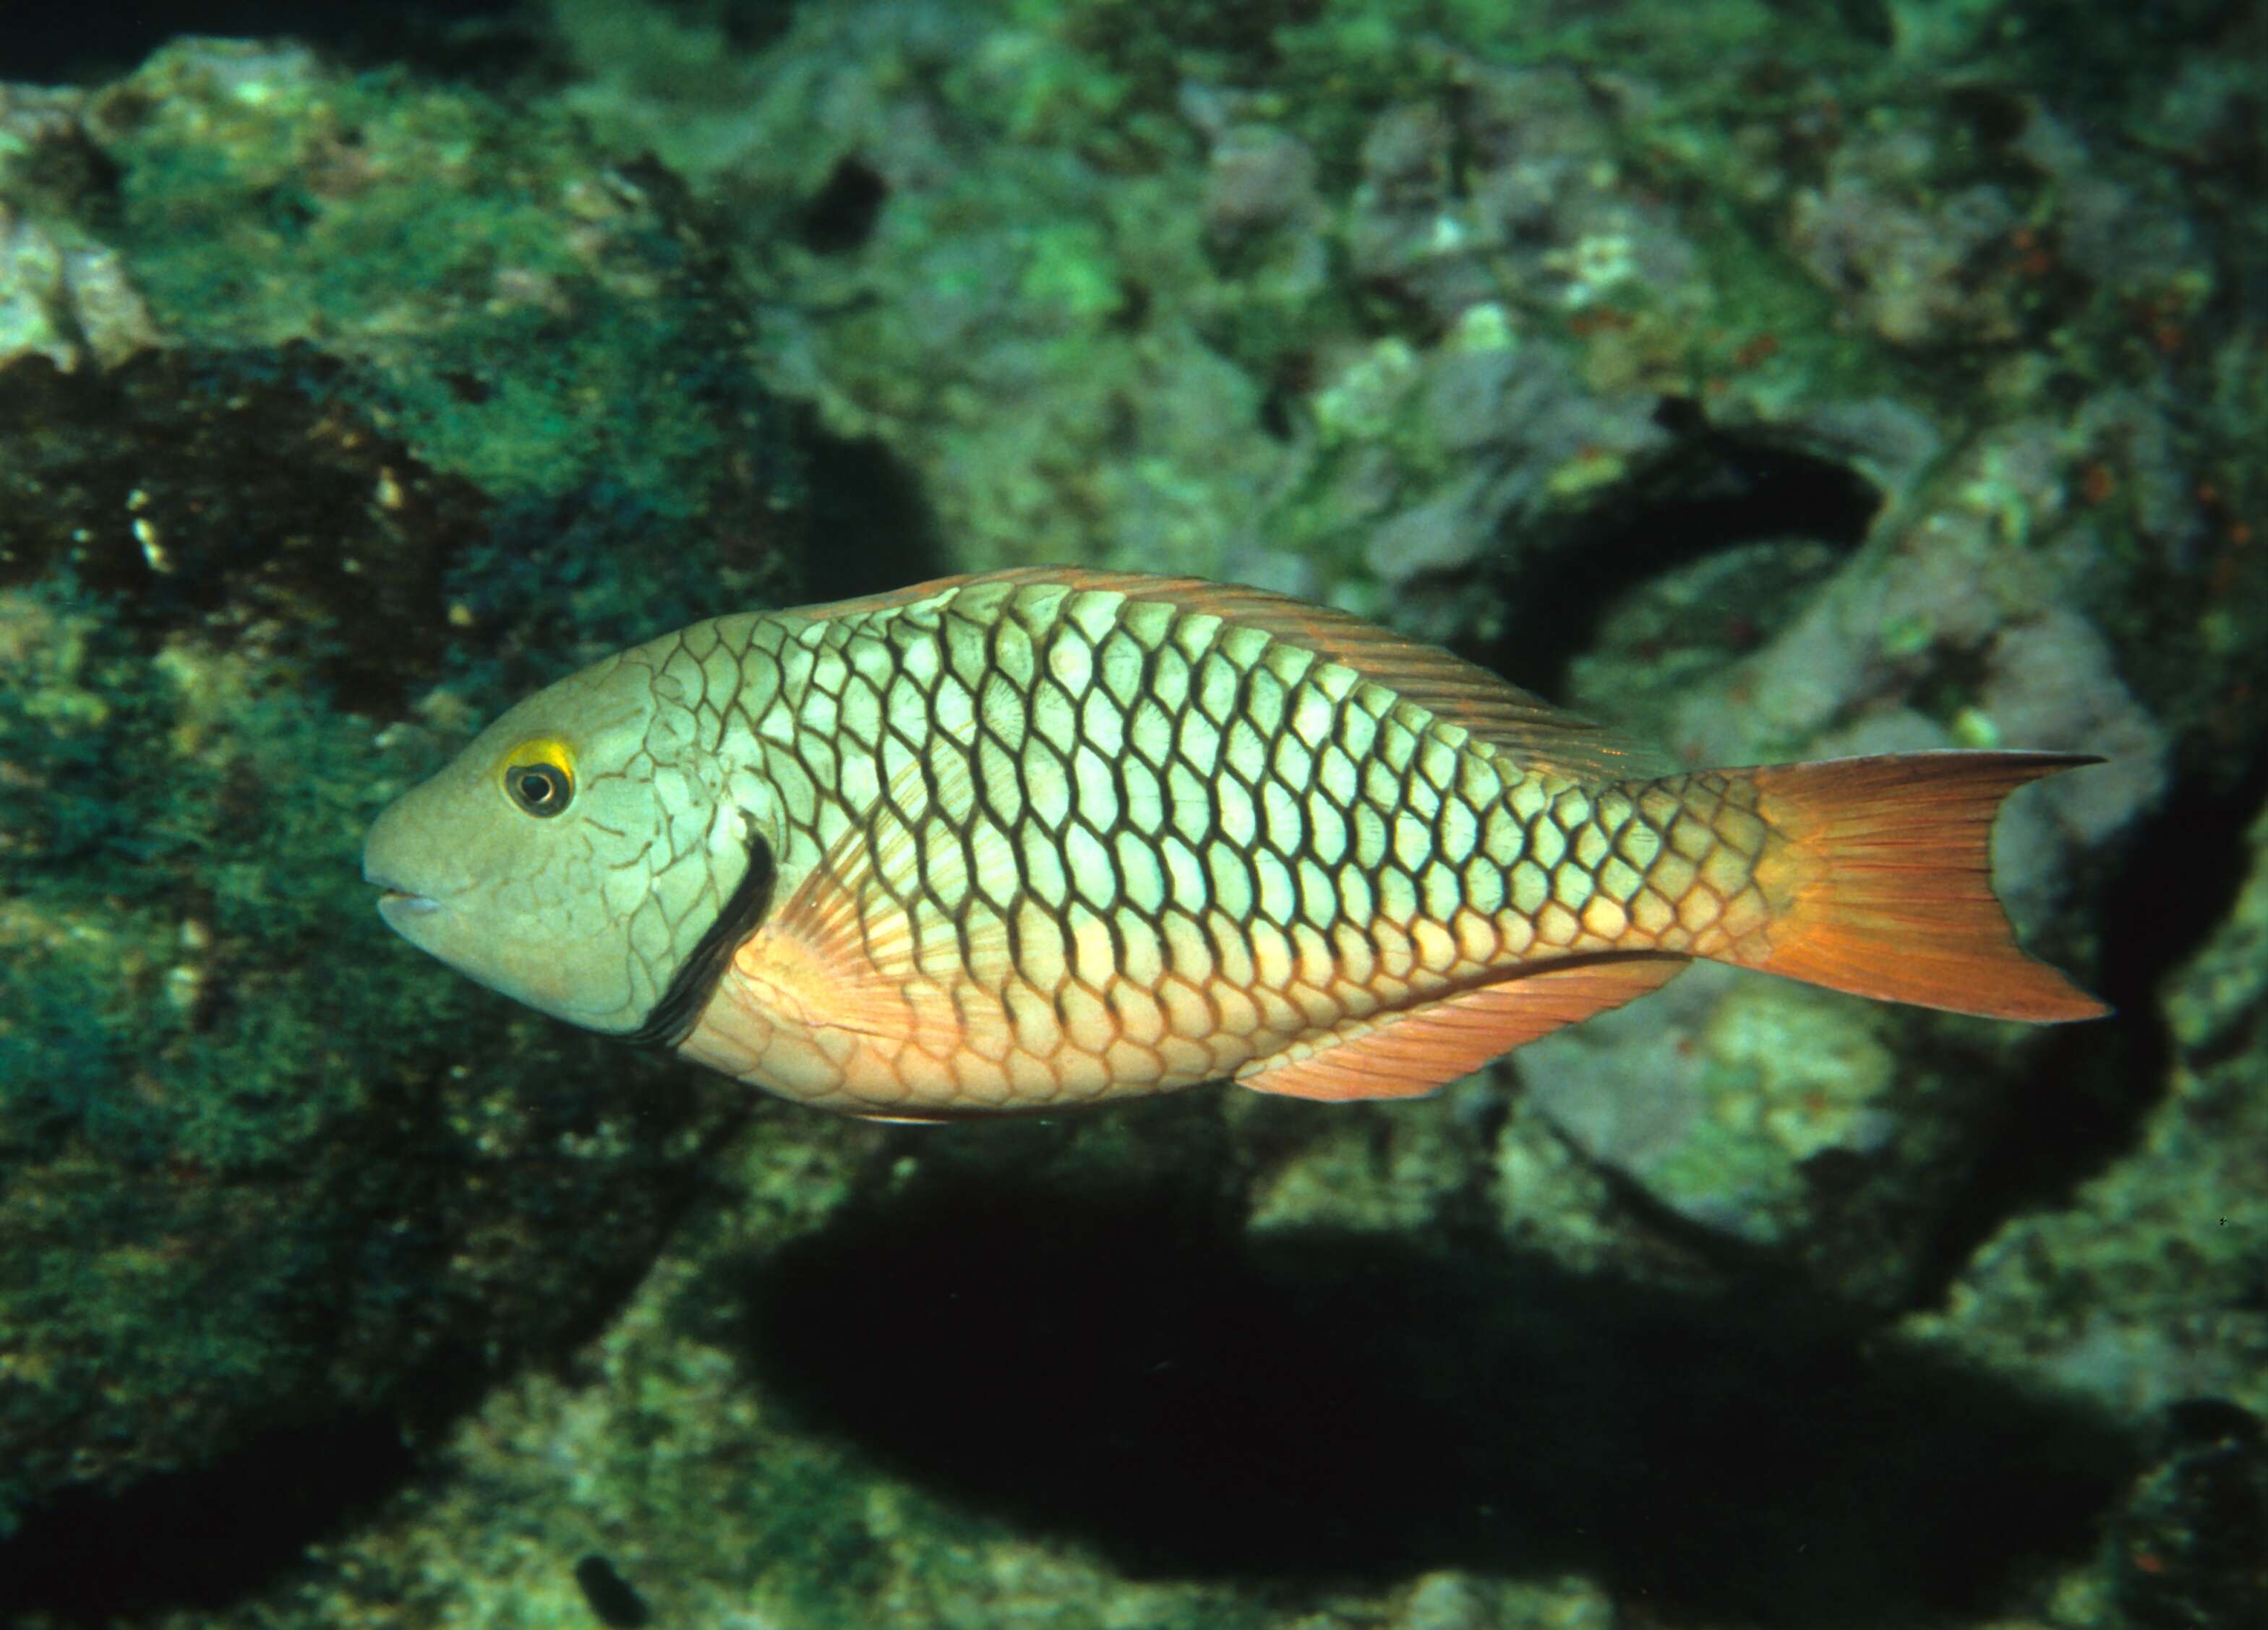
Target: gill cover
[(573, 857)]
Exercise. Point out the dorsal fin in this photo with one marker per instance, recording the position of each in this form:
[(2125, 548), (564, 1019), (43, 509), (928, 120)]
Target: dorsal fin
[(1417, 1050), (1535, 735)]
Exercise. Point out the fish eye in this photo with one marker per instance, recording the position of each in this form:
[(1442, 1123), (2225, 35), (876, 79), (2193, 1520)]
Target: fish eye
[(539, 779)]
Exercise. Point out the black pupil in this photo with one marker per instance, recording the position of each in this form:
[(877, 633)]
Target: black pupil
[(539, 786)]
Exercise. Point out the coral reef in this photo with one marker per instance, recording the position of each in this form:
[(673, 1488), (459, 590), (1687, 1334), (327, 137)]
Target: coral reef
[(262, 539), (252, 1156), (1778, 381)]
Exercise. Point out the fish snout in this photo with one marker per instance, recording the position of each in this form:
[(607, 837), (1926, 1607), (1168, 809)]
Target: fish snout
[(396, 899), (390, 858)]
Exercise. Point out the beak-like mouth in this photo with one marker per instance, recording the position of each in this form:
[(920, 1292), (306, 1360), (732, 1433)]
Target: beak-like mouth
[(396, 902)]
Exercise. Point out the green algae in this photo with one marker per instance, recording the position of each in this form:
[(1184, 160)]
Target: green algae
[(267, 1168), (1044, 331), (254, 1152), (155, 485), (525, 318)]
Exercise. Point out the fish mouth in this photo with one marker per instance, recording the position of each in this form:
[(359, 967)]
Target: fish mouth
[(395, 902)]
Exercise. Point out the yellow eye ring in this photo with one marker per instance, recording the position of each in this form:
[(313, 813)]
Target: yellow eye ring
[(539, 776)]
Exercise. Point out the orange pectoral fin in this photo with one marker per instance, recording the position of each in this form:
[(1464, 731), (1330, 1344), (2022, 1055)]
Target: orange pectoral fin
[(812, 984), (808, 1009), (1418, 1050), (870, 977)]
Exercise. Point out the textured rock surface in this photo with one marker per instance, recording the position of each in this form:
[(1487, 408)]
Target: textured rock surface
[(1778, 381), (260, 1175)]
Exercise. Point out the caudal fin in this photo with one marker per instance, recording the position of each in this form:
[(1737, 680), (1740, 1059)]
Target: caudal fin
[(1890, 865)]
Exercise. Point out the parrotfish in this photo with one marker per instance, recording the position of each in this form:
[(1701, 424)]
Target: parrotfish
[(1044, 838)]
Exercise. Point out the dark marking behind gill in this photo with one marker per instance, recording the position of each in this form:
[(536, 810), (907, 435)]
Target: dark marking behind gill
[(613, 1601), (672, 1018)]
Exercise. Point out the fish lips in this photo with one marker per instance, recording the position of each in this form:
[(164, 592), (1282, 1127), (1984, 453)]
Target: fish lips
[(424, 922), (399, 906)]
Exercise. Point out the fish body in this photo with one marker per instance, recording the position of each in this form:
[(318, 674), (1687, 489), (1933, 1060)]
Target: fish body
[(1040, 839)]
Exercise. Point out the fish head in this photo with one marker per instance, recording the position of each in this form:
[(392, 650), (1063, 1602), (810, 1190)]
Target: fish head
[(571, 857)]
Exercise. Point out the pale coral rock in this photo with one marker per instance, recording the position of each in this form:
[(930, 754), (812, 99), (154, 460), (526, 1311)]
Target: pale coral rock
[(1899, 258), (2052, 683)]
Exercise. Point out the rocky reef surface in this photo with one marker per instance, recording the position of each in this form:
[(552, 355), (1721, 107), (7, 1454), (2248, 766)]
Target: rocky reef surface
[(1778, 381)]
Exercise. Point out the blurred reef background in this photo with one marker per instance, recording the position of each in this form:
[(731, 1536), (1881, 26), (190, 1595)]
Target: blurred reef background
[(1779, 377)]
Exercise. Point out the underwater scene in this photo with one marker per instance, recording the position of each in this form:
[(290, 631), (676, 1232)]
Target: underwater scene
[(573, 1055)]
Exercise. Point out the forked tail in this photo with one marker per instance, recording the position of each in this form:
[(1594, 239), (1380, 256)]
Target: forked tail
[(1888, 889)]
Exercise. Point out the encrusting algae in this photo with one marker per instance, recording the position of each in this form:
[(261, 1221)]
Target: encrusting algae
[(1047, 837)]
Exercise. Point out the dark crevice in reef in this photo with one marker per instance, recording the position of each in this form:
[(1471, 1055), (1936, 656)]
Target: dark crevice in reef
[(56, 44), (205, 1539), (200, 1540), (1322, 1408), (2082, 1104), (841, 215), (1715, 491), (869, 526), (157, 486)]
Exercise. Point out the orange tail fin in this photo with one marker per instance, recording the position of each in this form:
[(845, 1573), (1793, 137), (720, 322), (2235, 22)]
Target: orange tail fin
[(1891, 864)]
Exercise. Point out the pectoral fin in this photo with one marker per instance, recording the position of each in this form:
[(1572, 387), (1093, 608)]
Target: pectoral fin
[(869, 979)]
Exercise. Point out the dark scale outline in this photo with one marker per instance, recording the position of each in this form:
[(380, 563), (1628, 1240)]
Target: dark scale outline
[(1211, 833), (1181, 748), (1068, 637), (1033, 812), (1240, 712), (1243, 846), (1331, 890), (1613, 834), (1706, 832), (987, 643), (1546, 816), (1378, 788), (1248, 702), (1047, 844), (1334, 741), (1265, 827), (1133, 906), (1233, 856), (1453, 888), (1438, 831), (1657, 825), (739, 665), (1126, 800), (1109, 901), (1099, 700), (1232, 709), (1154, 690), (1119, 631), (1032, 712), (1291, 904), (1013, 751), (1164, 755), (1103, 830), (967, 654)]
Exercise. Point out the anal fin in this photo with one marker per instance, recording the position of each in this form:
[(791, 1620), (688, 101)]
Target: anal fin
[(1414, 1051)]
